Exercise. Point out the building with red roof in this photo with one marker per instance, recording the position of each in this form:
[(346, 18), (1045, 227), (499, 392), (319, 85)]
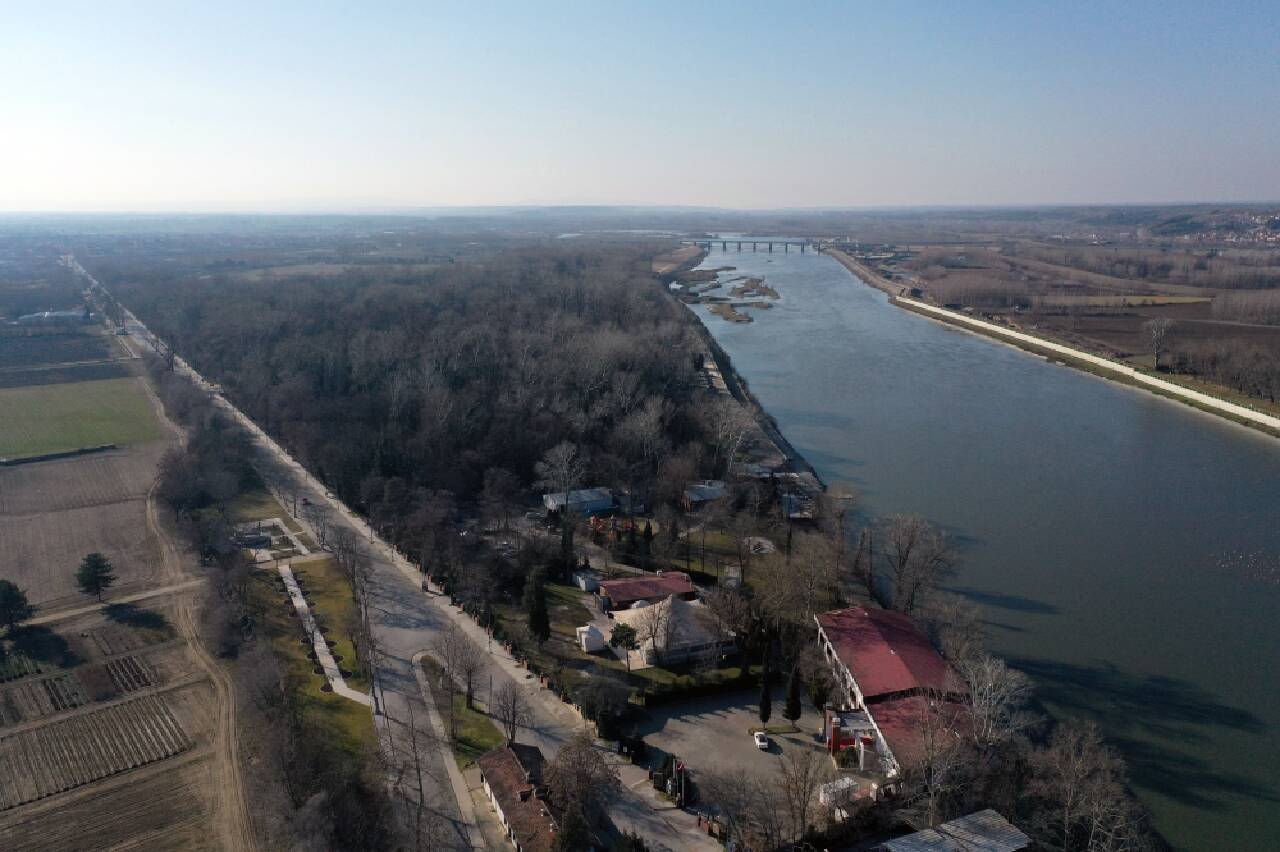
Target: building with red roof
[(512, 778), (651, 588), (886, 669)]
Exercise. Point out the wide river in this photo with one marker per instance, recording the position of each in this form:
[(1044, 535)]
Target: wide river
[(1125, 548)]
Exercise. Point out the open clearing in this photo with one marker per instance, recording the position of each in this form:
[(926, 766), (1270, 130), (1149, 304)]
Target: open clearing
[(50, 418)]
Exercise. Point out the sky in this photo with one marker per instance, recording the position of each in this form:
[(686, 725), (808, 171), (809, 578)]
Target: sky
[(276, 106)]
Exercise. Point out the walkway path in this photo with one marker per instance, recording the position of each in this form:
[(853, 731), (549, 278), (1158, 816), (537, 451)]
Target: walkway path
[(465, 804), (1147, 380), (64, 614), (331, 671)]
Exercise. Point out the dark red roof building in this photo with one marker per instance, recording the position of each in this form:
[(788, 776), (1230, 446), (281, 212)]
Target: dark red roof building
[(885, 666), (621, 594), (512, 777)]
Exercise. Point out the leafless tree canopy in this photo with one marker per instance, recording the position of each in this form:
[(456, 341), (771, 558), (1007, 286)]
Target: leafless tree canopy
[(917, 555), (510, 709), (579, 776)]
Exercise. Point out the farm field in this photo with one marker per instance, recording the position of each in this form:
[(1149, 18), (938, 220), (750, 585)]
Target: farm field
[(77, 483), (104, 737), (43, 549), (50, 418), (26, 350)]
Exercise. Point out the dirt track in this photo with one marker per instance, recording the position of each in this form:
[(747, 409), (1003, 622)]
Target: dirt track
[(230, 812)]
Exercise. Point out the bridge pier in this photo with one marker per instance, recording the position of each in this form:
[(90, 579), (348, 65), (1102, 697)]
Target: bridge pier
[(739, 245), (724, 246), (755, 247), (770, 248)]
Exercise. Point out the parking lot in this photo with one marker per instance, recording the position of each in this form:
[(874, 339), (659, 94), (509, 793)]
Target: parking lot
[(714, 731)]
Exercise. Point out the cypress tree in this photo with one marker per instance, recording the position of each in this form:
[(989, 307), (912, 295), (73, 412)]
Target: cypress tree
[(766, 696), (535, 601), (792, 710)]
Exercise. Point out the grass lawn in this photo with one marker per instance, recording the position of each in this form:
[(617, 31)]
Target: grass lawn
[(475, 733), (333, 604), (255, 505), (50, 418), (346, 725)]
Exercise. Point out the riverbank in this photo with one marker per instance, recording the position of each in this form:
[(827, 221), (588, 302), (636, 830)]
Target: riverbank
[(1079, 359)]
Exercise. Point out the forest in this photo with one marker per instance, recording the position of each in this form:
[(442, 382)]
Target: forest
[(393, 381)]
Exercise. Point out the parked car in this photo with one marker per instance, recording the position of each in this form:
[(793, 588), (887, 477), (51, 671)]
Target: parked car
[(762, 740)]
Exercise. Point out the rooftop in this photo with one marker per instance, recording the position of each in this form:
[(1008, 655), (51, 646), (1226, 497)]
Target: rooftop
[(513, 772), (624, 592), (885, 652), (984, 831)]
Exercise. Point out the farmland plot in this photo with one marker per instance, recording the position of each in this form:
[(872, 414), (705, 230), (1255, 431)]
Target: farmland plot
[(160, 807), (77, 483), (41, 551), (67, 754), (26, 350)]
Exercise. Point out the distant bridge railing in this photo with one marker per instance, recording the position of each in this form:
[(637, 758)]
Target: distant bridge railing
[(754, 245)]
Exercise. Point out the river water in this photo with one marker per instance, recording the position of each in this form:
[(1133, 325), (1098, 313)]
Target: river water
[(1125, 548)]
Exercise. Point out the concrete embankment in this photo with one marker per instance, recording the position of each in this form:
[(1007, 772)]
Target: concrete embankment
[(1078, 358)]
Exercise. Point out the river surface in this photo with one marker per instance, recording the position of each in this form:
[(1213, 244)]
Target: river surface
[(1125, 548)]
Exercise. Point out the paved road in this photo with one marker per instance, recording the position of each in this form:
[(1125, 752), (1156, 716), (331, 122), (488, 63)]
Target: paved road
[(405, 619)]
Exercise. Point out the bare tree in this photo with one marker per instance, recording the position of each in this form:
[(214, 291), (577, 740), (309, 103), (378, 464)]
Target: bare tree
[(1157, 331), (501, 488), (1082, 782), (934, 770), (998, 697), (802, 772), (318, 520), (653, 626), (956, 626), (579, 776), (918, 557), (511, 710)]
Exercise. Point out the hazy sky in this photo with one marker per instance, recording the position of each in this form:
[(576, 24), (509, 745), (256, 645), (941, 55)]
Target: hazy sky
[(269, 105)]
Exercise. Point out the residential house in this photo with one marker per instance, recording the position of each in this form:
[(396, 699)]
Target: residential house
[(646, 589), (512, 778), (674, 631), (700, 493)]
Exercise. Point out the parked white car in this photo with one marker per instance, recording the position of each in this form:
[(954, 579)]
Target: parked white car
[(762, 740)]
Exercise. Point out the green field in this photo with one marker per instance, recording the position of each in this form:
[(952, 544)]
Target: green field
[(50, 418)]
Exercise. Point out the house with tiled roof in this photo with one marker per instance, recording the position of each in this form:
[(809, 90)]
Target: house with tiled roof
[(647, 589), (891, 683), (512, 778)]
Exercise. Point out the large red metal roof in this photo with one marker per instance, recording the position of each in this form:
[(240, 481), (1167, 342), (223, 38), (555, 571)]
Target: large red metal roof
[(624, 592), (885, 652)]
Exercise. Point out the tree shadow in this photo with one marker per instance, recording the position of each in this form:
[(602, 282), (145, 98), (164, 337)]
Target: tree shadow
[(1016, 603), (1122, 700), (1128, 706), (41, 644), (131, 615), (1185, 778)]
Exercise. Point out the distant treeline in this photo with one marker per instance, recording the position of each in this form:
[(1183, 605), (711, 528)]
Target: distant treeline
[(424, 379)]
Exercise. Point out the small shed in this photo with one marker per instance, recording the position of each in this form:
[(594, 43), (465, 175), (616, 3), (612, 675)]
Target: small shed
[(702, 492), (588, 581), (590, 639), (587, 501)]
